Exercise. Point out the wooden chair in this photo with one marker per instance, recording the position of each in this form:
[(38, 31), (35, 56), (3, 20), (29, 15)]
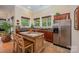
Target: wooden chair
[(24, 44), (15, 43)]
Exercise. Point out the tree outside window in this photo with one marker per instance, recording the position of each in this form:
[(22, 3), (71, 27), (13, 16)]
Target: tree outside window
[(25, 21), (37, 22), (46, 21)]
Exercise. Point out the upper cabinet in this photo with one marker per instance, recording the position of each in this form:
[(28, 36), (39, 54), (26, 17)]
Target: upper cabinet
[(62, 16)]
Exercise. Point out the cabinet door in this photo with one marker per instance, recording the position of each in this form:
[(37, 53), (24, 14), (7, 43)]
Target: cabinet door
[(50, 36), (47, 36), (62, 16)]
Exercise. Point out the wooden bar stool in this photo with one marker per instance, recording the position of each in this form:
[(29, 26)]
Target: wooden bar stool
[(15, 43), (24, 44)]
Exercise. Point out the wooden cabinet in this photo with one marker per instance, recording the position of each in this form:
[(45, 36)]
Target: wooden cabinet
[(47, 35), (62, 16)]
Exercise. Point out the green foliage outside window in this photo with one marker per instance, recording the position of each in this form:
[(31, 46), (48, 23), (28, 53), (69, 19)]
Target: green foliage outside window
[(25, 22), (49, 21), (37, 22), (46, 21)]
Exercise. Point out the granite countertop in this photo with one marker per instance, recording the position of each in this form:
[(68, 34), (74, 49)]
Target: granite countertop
[(41, 29), (48, 29), (31, 34)]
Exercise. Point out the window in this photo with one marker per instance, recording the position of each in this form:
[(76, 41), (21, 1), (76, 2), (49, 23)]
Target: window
[(25, 21), (2, 20), (46, 21), (37, 22)]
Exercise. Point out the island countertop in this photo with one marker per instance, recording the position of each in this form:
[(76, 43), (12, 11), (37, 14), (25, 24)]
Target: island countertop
[(31, 34)]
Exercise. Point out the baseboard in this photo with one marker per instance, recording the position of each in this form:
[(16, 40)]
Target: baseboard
[(62, 46)]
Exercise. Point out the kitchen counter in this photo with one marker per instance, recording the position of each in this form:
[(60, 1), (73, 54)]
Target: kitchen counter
[(49, 29), (48, 33), (31, 34)]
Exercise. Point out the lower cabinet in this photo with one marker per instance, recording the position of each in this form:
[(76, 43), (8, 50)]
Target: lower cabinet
[(47, 35)]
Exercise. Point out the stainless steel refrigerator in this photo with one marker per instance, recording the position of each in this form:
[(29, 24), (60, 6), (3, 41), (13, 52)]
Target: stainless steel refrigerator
[(62, 34)]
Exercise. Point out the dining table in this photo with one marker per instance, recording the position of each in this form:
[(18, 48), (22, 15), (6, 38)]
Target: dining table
[(37, 38)]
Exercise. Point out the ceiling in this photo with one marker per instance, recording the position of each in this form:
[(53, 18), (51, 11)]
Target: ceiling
[(34, 7), (6, 7), (31, 7)]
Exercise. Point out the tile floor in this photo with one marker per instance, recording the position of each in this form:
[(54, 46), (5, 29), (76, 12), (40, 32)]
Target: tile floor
[(49, 48)]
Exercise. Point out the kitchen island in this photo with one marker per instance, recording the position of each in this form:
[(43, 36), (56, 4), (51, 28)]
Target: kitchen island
[(37, 38), (48, 32)]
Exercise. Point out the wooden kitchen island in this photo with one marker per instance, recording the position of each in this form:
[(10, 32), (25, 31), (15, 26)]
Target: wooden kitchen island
[(37, 38)]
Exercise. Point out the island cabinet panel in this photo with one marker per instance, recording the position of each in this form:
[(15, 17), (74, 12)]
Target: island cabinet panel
[(39, 44)]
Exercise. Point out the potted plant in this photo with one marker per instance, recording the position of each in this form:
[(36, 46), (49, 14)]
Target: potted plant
[(32, 26), (6, 36), (57, 14)]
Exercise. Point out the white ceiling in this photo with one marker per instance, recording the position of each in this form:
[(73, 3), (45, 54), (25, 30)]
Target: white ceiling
[(6, 7), (34, 7), (31, 7)]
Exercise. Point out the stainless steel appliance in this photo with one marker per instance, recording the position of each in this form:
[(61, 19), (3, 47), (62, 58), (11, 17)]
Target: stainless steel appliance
[(62, 34)]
